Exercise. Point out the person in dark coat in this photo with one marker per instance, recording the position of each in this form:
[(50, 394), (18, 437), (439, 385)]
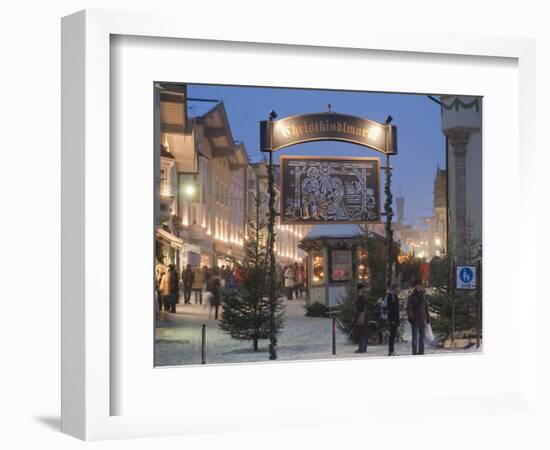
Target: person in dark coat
[(187, 278), (392, 308), (360, 319), (173, 287), (216, 297), (418, 316)]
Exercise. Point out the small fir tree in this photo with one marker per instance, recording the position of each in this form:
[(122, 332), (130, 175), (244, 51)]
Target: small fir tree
[(471, 249), (372, 248), (439, 296), (246, 310), (441, 293)]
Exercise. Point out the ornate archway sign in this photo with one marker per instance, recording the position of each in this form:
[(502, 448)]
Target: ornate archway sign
[(328, 126)]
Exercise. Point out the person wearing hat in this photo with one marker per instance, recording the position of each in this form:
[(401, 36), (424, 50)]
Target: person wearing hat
[(418, 316), (360, 319)]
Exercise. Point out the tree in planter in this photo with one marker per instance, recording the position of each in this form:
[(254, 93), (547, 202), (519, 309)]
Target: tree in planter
[(375, 260), (246, 311)]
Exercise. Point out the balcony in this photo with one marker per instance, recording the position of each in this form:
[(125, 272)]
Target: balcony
[(167, 190)]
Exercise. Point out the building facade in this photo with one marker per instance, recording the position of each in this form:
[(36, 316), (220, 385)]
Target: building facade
[(287, 237), (205, 188)]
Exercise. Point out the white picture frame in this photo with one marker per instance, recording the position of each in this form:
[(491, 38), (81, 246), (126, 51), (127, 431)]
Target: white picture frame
[(88, 387)]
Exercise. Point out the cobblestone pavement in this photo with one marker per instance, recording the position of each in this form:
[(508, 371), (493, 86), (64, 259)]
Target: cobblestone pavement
[(178, 339)]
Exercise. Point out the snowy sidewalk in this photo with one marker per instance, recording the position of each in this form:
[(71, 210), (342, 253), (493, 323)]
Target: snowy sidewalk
[(178, 339)]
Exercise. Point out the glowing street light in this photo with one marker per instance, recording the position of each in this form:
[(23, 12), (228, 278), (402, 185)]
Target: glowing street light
[(191, 191)]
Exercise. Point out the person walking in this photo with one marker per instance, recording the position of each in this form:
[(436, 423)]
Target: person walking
[(289, 282), (418, 316), (298, 281), (238, 276), (169, 286), (222, 275), (360, 319), (187, 277), (161, 272), (392, 309), (216, 297), (197, 285), (205, 276), (164, 288)]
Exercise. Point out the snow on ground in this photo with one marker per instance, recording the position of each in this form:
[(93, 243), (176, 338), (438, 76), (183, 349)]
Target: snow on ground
[(178, 339)]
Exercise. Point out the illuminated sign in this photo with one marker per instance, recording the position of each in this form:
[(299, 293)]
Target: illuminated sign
[(328, 126)]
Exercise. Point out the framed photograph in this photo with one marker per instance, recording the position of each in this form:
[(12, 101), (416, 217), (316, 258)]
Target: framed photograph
[(157, 171)]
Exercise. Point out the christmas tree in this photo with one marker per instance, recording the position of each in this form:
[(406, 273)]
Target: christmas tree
[(370, 254), (246, 311), (443, 300)]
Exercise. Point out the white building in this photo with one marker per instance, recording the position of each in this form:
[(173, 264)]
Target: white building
[(287, 237), (213, 218), (206, 186)]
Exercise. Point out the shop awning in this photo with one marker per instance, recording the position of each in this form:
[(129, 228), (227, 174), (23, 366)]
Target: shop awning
[(169, 238)]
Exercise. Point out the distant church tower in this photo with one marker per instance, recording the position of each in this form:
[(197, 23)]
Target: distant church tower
[(400, 201)]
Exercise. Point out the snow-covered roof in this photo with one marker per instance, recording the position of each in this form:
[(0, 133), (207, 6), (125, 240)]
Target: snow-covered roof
[(340, 231)]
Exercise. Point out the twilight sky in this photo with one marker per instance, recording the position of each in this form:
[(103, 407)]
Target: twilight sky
[(421, 144)]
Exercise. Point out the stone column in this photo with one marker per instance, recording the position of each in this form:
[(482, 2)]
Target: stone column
[(458, 139)]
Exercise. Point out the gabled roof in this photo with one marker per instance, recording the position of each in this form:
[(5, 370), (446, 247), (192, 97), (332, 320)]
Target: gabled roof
[(217, 131), (239, 159)]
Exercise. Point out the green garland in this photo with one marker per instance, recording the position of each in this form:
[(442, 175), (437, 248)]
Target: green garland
[(459, 103), (389, 231)]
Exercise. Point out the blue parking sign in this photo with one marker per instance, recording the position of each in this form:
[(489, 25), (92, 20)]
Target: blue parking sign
[(466, 277)]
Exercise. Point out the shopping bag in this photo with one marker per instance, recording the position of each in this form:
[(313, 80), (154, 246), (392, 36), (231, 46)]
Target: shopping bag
[(428, 333)]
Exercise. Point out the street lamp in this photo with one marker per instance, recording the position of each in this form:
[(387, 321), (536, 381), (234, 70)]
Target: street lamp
[(191, 191)]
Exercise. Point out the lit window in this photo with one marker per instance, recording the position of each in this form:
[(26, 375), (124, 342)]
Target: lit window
[(318, 267), (362, 271)]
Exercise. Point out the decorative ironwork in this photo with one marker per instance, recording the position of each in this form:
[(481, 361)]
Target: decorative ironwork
[(330, 190)]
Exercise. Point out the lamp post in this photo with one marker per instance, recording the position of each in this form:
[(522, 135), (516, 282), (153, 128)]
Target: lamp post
[(388, 210), (271, 254)]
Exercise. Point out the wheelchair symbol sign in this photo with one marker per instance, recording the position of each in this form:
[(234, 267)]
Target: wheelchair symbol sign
[(466, 277)]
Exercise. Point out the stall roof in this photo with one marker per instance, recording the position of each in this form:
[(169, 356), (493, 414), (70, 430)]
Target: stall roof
[(339, 231)]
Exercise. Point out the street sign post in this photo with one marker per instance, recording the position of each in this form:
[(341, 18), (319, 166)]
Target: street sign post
[(466, 277)]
